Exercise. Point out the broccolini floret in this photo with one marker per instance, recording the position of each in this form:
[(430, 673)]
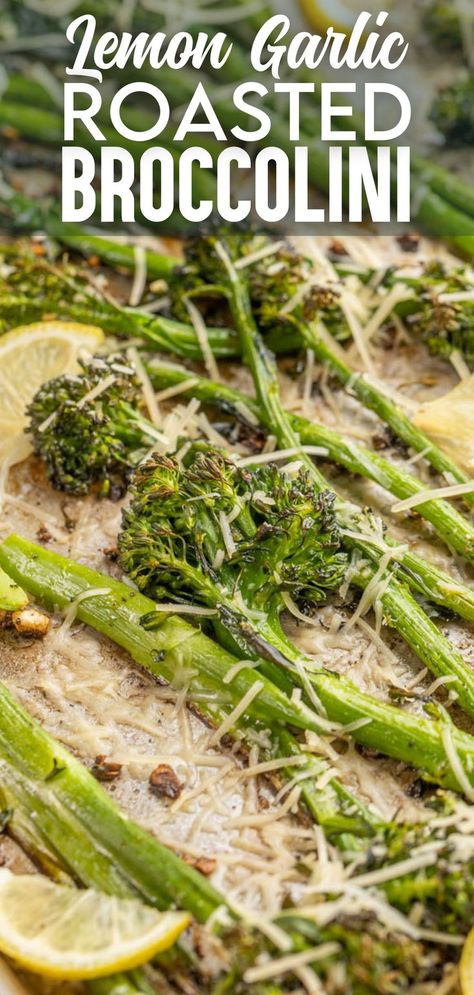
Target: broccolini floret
[(88, 429), (442, 23), (273, 278), (439, 315), (232, 539), (453, 112)]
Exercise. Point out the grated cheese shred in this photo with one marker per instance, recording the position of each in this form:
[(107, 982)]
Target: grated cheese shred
[(71, 610), (233, 717), (96, 391), (290, 963), (203, 339), (139, 276), (453, 490), (148, 392), (227, 536), (281, 454), (454, 761)]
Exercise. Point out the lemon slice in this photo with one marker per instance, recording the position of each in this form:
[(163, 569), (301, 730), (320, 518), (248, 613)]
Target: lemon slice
[(339, 14), (69, 934), (466, 966), (29, 356), (449, 421)]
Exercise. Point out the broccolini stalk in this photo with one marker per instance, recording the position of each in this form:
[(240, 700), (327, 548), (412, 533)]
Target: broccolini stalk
[(280, 300), (79, 823), (46, 127), (34, 289), (234, 540), (181, 644), (56, 842), (190, 656), (450, 526), (217, 268), (144, 864), (45, 803), (176, 648), (117, 254)]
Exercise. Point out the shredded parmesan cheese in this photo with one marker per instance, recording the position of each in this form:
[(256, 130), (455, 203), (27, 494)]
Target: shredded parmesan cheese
[(294, 610), (393, 871), (459, 364), (455, 763), (376, 587), (281, 454), (457, 297), (96, 391), (71, 610), (176, 608), (267, 766), (202, 337), (139, 276), (238, 667), (396, 295), (148, 392), (233, 717), (180, 388), (357, 333), (244, 411), (454, 490), (286, 965), (227, 536), (439, 683), (268, 250)]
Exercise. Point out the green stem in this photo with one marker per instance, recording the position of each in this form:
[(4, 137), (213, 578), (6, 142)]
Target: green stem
[(46, 127), (57, 843), (420, 575), (147, 866), (55, 580), (184, 651), (172, 649), (116, 254), (44, 292), (428, 581), (371, 397)]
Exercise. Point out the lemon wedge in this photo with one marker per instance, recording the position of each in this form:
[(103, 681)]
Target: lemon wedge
[(339, 14), (449, 421), (70, 934), (29, 356)]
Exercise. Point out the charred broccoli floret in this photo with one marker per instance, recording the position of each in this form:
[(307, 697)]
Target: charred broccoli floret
[(453, 112), (232, 539), (442, 313), (442, 23), (285, 280), (276, 276), (88, 428)]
